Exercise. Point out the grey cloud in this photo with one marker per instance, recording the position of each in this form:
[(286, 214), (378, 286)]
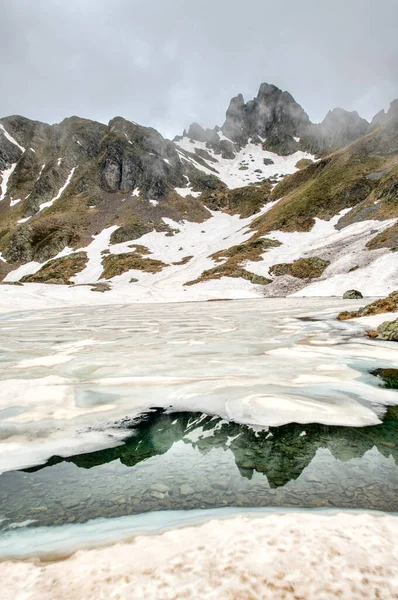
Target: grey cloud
[(167, 63)]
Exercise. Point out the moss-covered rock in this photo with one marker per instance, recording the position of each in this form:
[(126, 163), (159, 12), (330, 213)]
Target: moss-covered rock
[(352, 295), (43, 239), (303, 268), (59, 270), (389, 376), (388, 331)]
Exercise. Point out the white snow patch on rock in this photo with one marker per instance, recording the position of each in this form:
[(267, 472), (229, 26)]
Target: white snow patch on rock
[(241, 170), (5, 176), (10, 138), (60, 192)]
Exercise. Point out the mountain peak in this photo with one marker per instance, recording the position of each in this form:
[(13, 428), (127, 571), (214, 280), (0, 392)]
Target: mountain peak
[(273, 115)]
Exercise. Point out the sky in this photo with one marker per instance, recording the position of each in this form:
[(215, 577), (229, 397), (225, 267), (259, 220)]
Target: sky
[(167, 63)]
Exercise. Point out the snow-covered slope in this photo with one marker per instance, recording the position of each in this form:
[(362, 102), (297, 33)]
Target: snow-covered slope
[(251, 164), (188, 253)]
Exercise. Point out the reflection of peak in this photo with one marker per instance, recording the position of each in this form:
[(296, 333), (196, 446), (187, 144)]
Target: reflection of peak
[(281, 453)]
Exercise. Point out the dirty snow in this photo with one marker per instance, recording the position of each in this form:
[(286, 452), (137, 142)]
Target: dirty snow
[(272, 556)]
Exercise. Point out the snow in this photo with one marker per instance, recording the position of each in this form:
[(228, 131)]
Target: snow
[(5, 176), (10, 138), (14, 202), (32, 150), (255, 363), (378, 278), (136, 192), (60, 192), (23, 220), (154, 202), (345, 249), (59, 162), (187, 191), (250, 158), (296, 139), (94, 268), (32, 267), (267, 555), (41, 171), (166, 160), (2, 258)]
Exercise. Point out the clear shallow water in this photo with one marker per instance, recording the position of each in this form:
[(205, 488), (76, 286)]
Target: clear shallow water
[(74, 381), (183, 461)]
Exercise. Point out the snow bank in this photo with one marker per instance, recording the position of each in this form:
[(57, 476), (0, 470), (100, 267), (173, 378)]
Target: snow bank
[(280, 556)]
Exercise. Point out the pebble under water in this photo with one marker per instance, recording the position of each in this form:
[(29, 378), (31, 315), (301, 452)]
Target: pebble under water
[(175, 461)]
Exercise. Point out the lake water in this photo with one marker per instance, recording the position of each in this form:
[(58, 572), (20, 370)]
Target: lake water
[(113, 411)]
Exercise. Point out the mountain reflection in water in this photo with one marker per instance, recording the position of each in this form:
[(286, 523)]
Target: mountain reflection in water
[(191, 460)]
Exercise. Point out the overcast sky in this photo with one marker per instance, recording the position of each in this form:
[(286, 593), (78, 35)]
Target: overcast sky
[(166, 63)]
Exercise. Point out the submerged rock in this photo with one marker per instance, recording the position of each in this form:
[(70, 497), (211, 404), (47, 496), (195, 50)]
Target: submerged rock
[(352, 295), (389, 376)]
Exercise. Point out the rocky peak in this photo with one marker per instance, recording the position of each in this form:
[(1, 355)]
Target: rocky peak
[(339, 128), (343, 126), (273, 114), (392, 114), (378, 119)]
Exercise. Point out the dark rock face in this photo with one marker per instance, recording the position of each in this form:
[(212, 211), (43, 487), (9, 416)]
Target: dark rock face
[(352, 295), (273, 115)]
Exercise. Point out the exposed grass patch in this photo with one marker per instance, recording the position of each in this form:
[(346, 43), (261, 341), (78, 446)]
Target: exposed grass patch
[(303, 268), (183, 261), (326, 187), (59, 270), (226, 271), (245, 201), (303, 163), (117, 264), (385, 239), (235, 256), (384, 305), (189, 209)]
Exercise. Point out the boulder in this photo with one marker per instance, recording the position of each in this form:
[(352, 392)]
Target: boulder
[(388, 331), (352, 295)]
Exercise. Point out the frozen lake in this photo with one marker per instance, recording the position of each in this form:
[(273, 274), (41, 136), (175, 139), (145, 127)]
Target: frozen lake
[(71, 379)]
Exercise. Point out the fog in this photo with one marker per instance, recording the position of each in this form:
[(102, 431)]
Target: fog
[(168, 63)]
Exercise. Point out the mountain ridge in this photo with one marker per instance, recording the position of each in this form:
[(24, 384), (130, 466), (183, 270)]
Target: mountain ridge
[(69, 187)]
